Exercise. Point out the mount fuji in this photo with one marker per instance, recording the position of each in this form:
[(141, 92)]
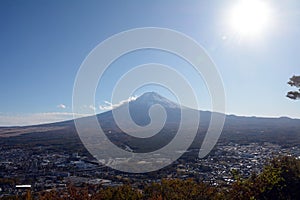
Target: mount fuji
[(237, 129)]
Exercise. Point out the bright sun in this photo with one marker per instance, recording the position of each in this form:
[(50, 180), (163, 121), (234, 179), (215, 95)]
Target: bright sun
[(250, 17)]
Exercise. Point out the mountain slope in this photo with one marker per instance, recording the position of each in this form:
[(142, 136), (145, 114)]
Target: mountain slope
[(237, 129)]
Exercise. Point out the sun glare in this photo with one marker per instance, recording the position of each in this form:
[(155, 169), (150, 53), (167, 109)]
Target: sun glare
[(250, 17)]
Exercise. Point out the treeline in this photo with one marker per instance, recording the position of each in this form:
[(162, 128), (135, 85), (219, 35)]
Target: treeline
[(280, 179)]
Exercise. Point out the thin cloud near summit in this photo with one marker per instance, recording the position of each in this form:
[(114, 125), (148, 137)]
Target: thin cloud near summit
[(109, 106)]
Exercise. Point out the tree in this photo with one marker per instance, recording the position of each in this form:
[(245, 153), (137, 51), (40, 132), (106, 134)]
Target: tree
[(280, 180), (294, 81)]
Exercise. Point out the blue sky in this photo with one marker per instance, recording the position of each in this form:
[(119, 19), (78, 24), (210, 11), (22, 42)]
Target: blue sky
[(43, 43)]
